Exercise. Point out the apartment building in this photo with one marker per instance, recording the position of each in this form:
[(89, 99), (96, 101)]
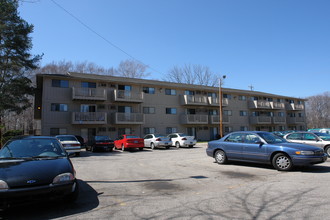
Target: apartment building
[(89, 104)]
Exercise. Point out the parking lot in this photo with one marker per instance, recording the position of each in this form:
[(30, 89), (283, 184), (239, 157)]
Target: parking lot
[(186, 184)]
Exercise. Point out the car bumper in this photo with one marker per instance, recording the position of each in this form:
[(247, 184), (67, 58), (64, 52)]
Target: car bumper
[(163, 143), (209, 152), (134, 145), (188, 143), (72, 149), (21, 196), (305, 161)]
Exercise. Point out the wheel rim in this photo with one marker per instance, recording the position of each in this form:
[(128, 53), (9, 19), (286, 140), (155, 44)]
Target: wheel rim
[(219, 156), (152, 146), (122, 147), (328, 151), (177, 144), (283, 162)]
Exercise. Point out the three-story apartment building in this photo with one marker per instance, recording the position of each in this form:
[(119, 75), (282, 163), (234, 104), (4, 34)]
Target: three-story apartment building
[(88, 105)]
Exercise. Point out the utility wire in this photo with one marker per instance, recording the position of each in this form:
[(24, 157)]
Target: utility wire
[(103, 38)]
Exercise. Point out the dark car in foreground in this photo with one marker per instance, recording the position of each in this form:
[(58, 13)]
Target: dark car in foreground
[(35, 168), (100, 143), (266, 148)]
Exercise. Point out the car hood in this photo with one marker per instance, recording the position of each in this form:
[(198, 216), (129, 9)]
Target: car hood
[(298, 146), (23, 173)]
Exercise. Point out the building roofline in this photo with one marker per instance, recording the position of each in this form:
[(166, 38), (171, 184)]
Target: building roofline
[(119, 79)]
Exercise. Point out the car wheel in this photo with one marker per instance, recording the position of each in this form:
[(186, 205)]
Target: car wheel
[(74, 195), (177, 144), (220, 157), (282, 162), (152, 146), (327, 150), (111, 149), (122, 147)]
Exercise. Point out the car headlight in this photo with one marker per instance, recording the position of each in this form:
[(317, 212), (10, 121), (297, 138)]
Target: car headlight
[(305, 152), (3, 185), (63, 178)]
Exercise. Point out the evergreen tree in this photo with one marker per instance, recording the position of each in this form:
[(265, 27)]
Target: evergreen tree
[(15, 59)]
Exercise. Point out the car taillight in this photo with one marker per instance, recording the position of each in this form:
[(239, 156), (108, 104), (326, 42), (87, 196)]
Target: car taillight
[(184, 139), (158, 139), (75, 145)]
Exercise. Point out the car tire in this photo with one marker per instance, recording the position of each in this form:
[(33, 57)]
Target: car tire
[(282, 162), (152, 146), (72, 196), (220, 157), (327, 150), (122, 147), (177, 144)]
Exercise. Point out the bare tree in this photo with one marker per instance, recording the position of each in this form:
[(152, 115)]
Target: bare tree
[(132, 69), (192, 74), (62, 67), (318, 111)]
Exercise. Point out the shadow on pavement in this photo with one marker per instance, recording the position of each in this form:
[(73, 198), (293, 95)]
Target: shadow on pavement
[(87, 200)]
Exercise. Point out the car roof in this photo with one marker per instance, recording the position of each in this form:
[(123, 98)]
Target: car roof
[(31, 137)]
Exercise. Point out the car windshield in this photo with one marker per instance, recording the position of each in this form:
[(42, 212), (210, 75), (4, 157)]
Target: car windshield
[(323, 136), (131, 136), (271, 138), (66, 138), (102, 138), (28, 148), (159, 136)]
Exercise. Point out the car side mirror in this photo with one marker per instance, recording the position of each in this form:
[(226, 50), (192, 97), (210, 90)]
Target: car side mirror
[(260, 143)]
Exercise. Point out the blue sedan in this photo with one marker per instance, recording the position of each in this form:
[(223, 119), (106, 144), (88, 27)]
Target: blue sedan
[(266, 148)]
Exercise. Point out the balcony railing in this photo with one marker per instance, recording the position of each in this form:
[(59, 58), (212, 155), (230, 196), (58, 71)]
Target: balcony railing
[(215, 101), (292, 106), (127, 96), (128, 118), (259, 104), (279, 120), (89, 94), (195, 119), (260, 120), (89, 118), (277, 105), (295, 120), (194, 100), (215, 119)]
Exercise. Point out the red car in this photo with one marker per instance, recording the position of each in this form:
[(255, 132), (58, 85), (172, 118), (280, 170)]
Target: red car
[(127, 141)]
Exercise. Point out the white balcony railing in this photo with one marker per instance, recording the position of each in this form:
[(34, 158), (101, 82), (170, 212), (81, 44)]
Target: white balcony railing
[(89, 94), (89, 118)]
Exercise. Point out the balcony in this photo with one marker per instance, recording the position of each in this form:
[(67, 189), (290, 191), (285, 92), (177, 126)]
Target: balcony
[(94, 94), (128, 118), (215, 119), (277, 105), (279, 120), (296, 120), (195, 100), (260, 120), (294, 107), (257, 104), (127, 96), (194, 119), (89, 118), (214, 101)]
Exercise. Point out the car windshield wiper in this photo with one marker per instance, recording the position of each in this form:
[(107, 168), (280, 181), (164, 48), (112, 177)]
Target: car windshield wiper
[(12, 158), (45, 157)]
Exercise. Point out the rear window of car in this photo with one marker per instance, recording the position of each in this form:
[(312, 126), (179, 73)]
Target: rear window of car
[(101, 138), (67, 138), (132, 136)]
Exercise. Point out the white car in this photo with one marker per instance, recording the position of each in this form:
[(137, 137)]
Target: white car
[(157, 140), (70, 143), (182, 140)]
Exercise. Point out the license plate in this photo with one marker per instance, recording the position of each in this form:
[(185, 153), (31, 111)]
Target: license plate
[(190, 142), (166, 143), (136, 142)]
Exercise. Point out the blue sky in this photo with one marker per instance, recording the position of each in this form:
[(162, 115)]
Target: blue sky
[(277, 46)]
